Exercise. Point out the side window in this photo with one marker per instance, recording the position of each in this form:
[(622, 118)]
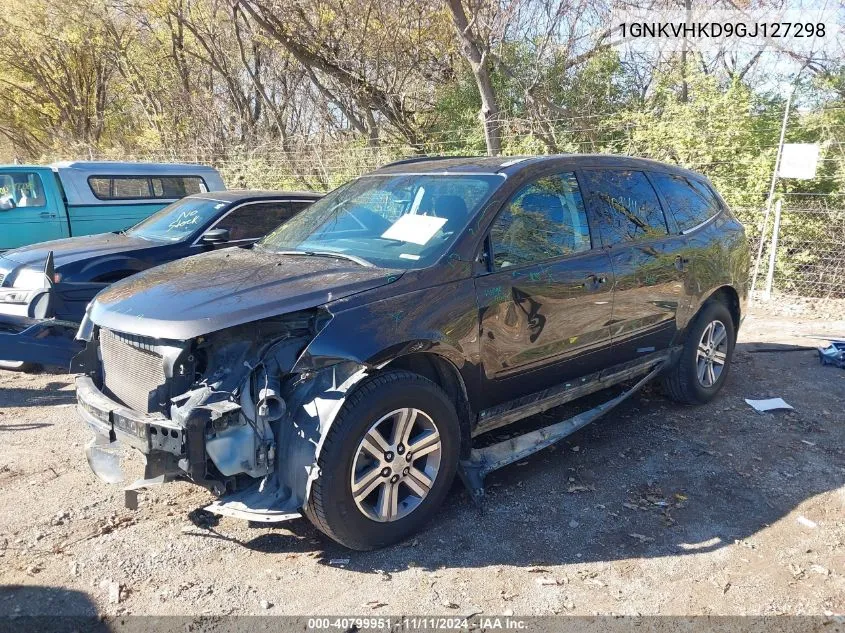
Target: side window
[(252, 221), (177, 186), (691, 202), (544, 220), (139, 187), (627, 208), (21, 189), (298, 205)]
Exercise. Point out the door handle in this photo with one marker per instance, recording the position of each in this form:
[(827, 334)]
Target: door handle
[(681, 263), (47, 214)]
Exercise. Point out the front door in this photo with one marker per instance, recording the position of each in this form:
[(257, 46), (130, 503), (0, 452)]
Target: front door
[(546, 299), (30, 211), (648, 260)]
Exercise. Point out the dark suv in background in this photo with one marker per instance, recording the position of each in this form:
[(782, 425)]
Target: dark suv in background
[(344, 365), (44, 288)]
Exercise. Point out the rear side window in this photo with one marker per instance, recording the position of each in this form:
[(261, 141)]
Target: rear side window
[(251, 221), (545, 219), (21, 189), (143, 187), (626, 205), (691, 202)]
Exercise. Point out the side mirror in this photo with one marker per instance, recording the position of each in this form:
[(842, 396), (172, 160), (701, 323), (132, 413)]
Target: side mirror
[(215, 236)]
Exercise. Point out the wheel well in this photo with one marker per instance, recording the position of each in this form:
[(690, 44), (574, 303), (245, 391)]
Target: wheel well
[(445, 375), (730, 298)]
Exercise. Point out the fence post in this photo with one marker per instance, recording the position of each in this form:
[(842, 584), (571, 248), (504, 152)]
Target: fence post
[(771, 192), (770, 276)]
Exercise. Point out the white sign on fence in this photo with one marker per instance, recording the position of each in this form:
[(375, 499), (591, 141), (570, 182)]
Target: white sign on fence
[(799, 160)]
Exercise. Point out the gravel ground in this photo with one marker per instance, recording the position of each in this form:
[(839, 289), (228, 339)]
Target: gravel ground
[(656, 509)]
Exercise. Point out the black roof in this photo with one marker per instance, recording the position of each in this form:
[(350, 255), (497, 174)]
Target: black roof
[(245, 195), (513, 164)]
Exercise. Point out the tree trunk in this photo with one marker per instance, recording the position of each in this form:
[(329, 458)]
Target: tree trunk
[(477, 56)]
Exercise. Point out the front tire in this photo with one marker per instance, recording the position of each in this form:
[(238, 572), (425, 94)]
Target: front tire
[(387, 462), (705, 361)]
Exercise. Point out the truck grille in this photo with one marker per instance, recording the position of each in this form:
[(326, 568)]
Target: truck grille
[(2, 277), (132, 370)]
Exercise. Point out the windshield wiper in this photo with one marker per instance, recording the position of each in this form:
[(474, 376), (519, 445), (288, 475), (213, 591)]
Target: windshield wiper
[(352, 258)]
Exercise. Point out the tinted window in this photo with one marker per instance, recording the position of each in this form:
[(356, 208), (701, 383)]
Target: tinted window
[(21, 189), (140, 187), (177, 186), (627, 208), (545, 219), (252, 221), (691, 202), (298, 205)]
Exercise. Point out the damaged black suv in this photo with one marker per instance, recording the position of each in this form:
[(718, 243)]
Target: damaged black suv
[(344, 366)]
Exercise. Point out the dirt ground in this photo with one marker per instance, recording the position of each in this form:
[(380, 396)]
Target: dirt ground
[(656, 509)]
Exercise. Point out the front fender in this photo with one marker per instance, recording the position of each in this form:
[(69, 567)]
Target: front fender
[(442, 320), (109, 266), (313, 402)]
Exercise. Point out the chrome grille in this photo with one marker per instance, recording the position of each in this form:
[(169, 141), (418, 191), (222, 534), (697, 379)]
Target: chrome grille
[(2, 277), (132, 370)]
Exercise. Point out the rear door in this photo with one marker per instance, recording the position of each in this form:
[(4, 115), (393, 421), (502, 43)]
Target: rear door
[(694, 206), (648, 260), (545, 300), (30, 208)]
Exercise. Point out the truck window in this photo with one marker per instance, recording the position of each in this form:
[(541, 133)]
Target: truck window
[(142, 187), (177, 186), (21, 189)]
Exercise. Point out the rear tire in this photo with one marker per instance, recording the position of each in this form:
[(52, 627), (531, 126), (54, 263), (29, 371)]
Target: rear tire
[(396, 490), (705, 361)]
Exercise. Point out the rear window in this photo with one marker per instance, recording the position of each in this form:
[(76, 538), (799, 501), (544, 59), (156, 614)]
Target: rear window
[(691, 202), (142, 187)]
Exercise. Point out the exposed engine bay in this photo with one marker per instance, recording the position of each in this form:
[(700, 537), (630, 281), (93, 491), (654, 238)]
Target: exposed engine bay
[(239, 411)]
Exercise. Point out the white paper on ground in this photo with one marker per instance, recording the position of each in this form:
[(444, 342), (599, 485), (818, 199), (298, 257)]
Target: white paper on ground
[(416, 229), (769, 404)]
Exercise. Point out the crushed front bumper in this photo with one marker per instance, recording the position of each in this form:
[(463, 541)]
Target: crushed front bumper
[(146, 433)]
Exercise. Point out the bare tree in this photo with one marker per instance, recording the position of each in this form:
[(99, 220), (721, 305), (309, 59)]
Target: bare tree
[(476, 50)]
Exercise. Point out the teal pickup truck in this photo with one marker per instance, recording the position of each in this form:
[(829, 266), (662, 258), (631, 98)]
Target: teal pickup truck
[(41, 203)]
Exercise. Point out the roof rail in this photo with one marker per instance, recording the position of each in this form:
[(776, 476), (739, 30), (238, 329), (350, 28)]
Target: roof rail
[(419, 159)]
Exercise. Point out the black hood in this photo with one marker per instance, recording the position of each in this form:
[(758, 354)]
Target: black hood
[(74, 249), (210, 292)]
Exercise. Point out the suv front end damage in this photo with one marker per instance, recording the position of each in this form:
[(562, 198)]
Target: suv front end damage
[(232, 411)]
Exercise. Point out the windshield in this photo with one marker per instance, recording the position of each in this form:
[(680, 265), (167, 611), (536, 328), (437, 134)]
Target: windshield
[(395, 221), (177, 221)]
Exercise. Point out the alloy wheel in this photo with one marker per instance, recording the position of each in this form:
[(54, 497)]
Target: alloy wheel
[(396, 464), (712, 353)]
